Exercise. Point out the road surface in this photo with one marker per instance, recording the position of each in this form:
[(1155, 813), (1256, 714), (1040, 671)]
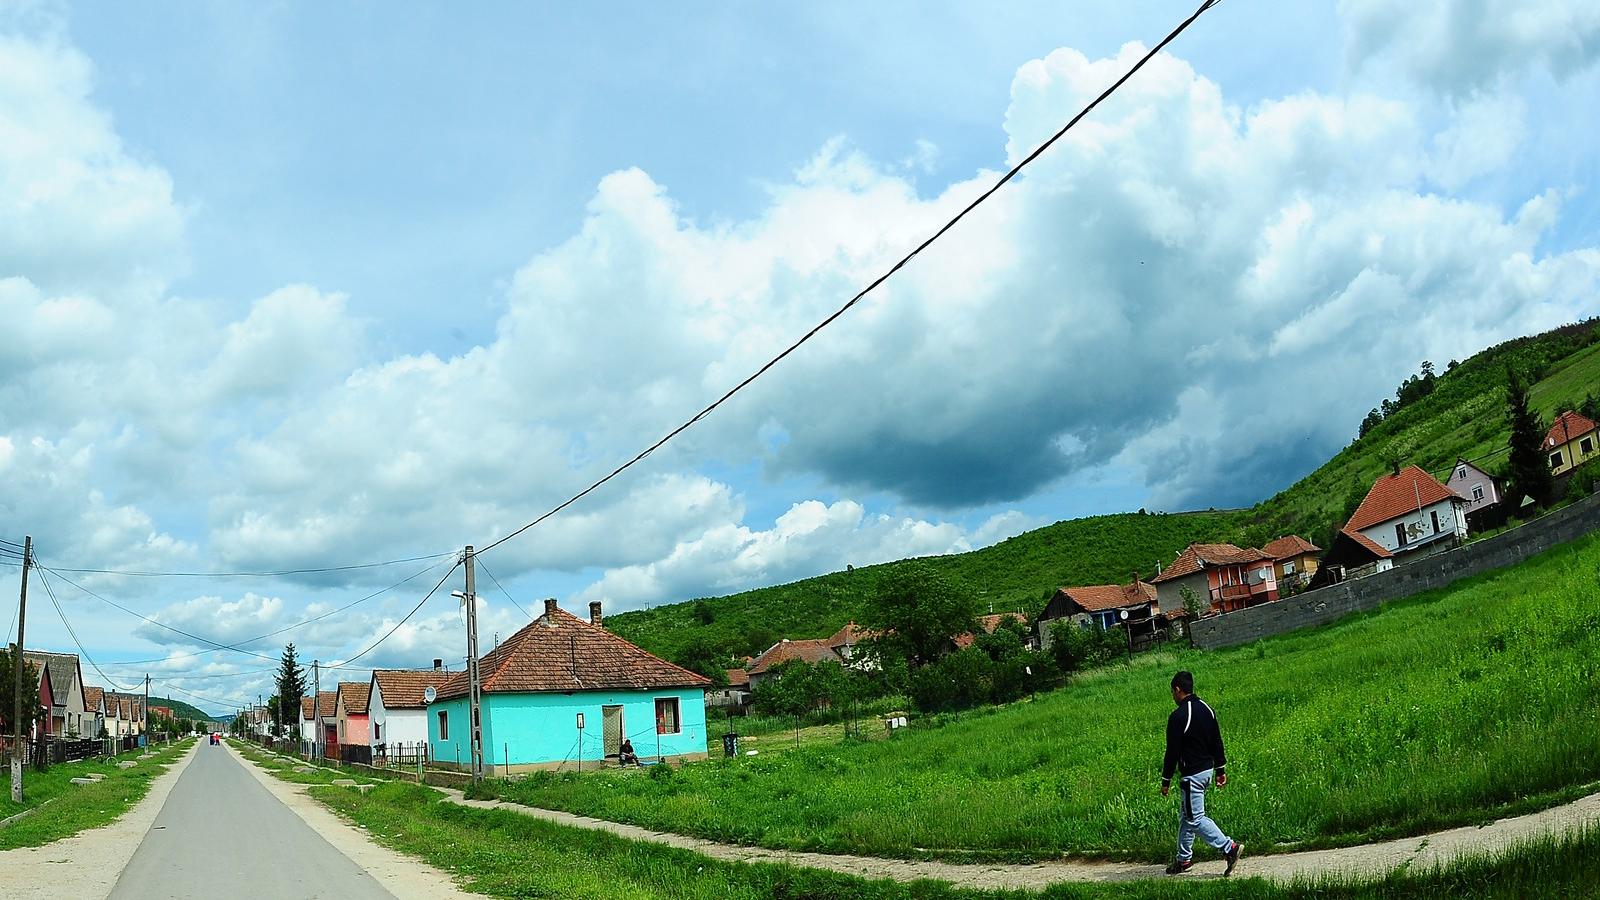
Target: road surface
[(220, 832)]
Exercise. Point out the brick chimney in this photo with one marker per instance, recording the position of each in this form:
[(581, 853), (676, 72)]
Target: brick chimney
[(437, 664), (594, 613), (550, 611)]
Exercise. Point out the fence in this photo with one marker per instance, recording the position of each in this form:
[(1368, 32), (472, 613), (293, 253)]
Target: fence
[(400, 754), (1324, 605)]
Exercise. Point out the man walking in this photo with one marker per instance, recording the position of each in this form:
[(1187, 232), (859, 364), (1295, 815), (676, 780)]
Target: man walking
[(1194, 750)]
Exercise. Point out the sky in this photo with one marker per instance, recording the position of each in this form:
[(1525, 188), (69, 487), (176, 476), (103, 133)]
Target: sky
[(291, 286)]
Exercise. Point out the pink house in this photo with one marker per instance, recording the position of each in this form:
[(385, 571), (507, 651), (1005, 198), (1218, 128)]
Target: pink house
[(1223, 577), (350, 712)]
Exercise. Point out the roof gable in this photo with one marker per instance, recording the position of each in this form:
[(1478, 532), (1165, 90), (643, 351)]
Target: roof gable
[(63, 669), (561, 652), (1396, 495), (1569, 426)]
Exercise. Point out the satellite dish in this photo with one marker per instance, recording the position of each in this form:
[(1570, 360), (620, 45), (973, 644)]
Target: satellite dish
[(429, 694)]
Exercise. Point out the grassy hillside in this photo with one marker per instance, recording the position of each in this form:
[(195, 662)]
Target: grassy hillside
[(181, 709), (1452, 707), (1463, 416)]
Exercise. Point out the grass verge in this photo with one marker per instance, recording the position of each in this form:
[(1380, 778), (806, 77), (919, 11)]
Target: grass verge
[(78, 807)]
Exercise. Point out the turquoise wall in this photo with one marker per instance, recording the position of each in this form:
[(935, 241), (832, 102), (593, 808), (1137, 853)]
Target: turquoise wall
[(542, 728)]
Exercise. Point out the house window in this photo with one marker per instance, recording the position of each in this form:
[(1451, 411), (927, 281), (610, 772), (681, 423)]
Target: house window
[(377, 731), (1461, 473), (1436, 528), (667, 715), (1400, 534), (1555, 459), (1477, 493), (1288, 568), (1586, 446), (444, 726)]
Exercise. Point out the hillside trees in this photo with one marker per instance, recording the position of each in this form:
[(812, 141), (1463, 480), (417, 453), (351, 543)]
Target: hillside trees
[(1527, 471), (916, 614)]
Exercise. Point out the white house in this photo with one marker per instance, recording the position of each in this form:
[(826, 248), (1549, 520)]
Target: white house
[(397, 710), (94, 711), (1409, 512)]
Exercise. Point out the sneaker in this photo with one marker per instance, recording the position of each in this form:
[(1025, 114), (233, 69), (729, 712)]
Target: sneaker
[(1180, 866), (1232, 856)]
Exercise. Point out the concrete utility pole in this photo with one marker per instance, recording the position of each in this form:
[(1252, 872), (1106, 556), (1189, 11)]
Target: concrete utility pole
[(146, 711), (316, 709), (476, 721), (22, 669)]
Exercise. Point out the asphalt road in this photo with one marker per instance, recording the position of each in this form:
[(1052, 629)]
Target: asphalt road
[(220, 833)]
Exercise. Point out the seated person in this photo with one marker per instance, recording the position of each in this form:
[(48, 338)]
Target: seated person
[(625, 754)]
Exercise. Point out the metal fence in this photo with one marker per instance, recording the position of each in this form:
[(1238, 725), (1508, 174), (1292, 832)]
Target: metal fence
[(400, 754)]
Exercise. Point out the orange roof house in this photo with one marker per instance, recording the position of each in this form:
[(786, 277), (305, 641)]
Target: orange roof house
[(988, 623), (1570, 442), (1224, 577), (1102, 605), (1294, 559), (537, 684), (1410, 511), (397, 705)]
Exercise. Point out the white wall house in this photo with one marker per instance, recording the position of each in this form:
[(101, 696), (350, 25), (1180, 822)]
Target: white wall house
[(398, 709), (1411, 512)]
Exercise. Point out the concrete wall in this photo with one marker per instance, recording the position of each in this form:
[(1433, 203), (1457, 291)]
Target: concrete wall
[(1439, 570)]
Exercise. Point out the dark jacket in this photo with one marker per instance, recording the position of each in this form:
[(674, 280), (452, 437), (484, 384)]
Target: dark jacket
[(1194, 741)]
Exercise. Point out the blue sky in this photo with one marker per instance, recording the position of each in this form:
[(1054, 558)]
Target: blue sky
[(298, 286)]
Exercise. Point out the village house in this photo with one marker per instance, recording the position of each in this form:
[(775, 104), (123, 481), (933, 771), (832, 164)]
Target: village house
[(328, 721), (1483, 495), (733, 696), (397, 706), (1351, 555), (1409, 513), (350, 714), (1100, 605), (844, 642), (1294, 561), (113, 725), (989, 623), (65, 675), (130, 713), (810, 652), (308, 721), (1223, 577), (1570, 442), (94, 711), (564, 690)]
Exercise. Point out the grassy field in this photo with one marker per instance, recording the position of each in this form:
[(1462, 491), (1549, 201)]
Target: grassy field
[(64, 809), (1463, 417), (1446, 709), (502, 854)]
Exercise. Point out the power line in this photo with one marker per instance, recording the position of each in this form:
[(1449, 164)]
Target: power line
[(277, 574), (50, 591), (1001, 182), (397, 625), (502, 589)]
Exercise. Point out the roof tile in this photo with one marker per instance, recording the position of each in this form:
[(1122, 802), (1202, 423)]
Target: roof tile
[(1392, 496)]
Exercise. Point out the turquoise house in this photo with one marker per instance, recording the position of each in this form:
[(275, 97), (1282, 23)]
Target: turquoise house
[(563, 691)]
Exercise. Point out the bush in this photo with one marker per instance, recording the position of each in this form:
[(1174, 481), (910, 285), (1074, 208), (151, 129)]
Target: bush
[(1076, 648)]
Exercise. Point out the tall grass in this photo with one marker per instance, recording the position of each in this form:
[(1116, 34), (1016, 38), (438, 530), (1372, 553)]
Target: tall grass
[(1446, 709)]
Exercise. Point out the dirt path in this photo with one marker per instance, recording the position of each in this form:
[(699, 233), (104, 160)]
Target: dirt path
[(86, 865), (1363, 862)]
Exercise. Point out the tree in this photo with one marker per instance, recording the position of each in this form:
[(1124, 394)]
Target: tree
[(1373, 420), (699, 656), (916, 614), (1527, 470), (291, 687), (30, 692), (1191, 602)]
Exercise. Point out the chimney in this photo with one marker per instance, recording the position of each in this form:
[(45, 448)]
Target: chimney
[(438, 664), (594, 613), (550, 611)]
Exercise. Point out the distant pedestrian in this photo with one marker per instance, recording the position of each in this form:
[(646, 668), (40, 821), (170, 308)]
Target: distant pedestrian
[(1194, 750)]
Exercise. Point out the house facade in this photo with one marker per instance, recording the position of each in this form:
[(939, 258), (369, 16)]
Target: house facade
[(328, 721), (1570, 442), (1294, 561), (559, 670), (1410, 513), (397, 707), (308, 720), (1222, 576), (350, 713), (1351, 555), (66, 691), (1131, 605), (94, 711), (733, 696), (1482, 492), (810, 652)]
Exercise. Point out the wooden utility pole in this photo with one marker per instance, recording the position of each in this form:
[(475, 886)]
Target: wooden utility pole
[(22, 669), (475, 719)]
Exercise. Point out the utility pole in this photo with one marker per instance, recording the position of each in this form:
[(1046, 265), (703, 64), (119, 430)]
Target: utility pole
[(316, 709), (22, 668), (476, 720), (146, 711)]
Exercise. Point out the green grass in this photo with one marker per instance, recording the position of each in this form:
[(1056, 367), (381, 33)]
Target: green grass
[(502, 854), (1446, 709), (63, 809), (1463, 417)]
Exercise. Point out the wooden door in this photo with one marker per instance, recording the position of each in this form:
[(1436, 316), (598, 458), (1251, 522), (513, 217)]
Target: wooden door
[(611, 721)]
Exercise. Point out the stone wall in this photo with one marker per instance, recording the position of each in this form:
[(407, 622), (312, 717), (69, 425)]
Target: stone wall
[(1324, 605)]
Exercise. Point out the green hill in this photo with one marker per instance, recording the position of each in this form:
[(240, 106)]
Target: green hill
[(1457, 413), (181, 709)]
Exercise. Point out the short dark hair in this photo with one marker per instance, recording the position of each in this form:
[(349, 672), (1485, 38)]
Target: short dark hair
[(1184, 681)]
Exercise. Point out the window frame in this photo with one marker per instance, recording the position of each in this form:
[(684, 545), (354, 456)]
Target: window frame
[(1555, 459), (673, 704), (1477, 493), (444, 725)]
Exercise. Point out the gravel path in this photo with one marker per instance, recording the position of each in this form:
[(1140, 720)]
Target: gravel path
[(1366, 861), (85, 866)]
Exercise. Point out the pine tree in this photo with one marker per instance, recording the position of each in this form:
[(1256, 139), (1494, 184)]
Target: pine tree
[(291, 686), (1529, 475)]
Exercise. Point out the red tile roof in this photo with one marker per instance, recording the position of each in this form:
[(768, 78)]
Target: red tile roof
[(326, 707), (809, 652), (1568, 426), (305, 708), (738, 678), (355, 694), (1101, 597), (403, 688), (988, 623), (1376, 548), (560, 652), (92, 697), (1393, 496), (849, 635), (1289, 546), (1198, 557)]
